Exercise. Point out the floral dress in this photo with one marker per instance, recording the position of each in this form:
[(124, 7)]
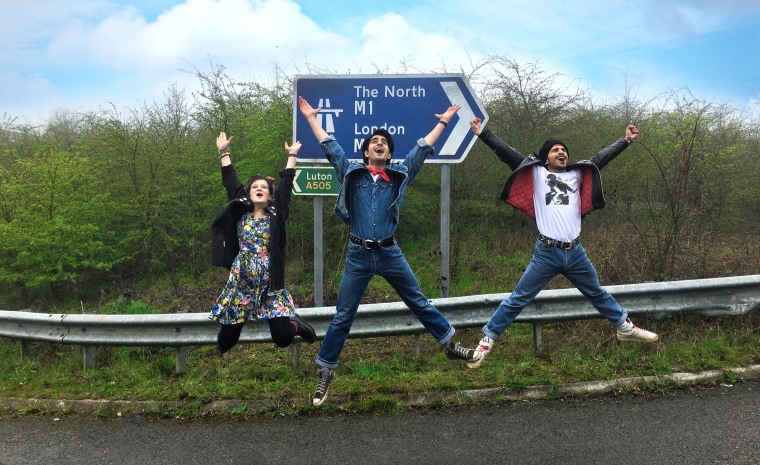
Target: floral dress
[(247, 295)]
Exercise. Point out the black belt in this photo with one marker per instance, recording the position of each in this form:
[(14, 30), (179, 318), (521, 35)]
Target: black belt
[(555, 243), (373, 245)]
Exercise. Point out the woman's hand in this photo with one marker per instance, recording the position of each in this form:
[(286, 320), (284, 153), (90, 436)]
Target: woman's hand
[(293, 149), (222, 142)]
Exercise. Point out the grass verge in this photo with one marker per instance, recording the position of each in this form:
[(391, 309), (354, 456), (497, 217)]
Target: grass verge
[(376, 375)]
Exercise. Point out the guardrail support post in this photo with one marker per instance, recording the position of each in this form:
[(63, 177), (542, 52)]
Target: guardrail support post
[(294, 355), (537, 344), (416, 346), (26, 349), (89, 357), (181, 367)]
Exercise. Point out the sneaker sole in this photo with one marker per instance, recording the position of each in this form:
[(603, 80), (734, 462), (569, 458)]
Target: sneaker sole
[(309, 340), (318, 402), (475, 363)]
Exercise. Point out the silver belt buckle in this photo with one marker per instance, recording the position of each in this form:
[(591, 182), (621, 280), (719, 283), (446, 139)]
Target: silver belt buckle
[(366, 243)]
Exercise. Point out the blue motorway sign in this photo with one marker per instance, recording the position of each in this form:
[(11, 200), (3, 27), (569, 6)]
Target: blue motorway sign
[(352, 106)]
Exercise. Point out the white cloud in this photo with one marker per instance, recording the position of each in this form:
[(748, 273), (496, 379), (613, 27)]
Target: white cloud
[(239, 33), (390, 40)]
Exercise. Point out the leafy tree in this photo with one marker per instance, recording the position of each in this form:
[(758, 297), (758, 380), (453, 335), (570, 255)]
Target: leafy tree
[(54, 239), (681, 184), (92, 204)]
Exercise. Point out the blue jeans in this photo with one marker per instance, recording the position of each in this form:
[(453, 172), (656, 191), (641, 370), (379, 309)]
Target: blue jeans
[(546, 263), (361, 265)]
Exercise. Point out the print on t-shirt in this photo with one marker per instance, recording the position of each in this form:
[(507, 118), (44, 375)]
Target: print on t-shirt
[(558, 191)]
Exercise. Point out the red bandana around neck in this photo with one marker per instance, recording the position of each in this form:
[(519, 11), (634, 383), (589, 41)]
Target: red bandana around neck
[(381, 173)]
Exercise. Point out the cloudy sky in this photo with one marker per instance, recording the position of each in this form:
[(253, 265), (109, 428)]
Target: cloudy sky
[(86, 54)]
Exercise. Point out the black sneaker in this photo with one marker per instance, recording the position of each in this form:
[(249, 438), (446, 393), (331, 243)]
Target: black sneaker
[(457, 352), (304, 329), (326, 376)]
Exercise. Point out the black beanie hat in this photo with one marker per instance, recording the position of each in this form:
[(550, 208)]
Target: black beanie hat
[(544, 152), (378, 132)]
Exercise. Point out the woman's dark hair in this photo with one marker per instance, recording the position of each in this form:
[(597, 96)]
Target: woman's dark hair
[(256, 177)]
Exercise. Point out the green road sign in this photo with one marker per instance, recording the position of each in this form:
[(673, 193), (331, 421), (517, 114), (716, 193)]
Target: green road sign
[(312, 180)]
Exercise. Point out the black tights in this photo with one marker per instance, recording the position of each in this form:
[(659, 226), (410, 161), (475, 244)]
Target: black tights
[(281, 329)]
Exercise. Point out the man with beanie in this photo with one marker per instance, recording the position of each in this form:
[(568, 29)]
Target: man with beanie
[(557, 195), (370, 202)]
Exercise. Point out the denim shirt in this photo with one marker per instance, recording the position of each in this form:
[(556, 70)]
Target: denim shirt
[(372, 208)]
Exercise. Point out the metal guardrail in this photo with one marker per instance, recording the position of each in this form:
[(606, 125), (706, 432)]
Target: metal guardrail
[(708, 297)]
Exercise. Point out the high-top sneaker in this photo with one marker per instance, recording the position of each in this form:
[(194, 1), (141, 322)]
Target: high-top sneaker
[(457, 352), (632, 333), (326, 376), (483, 349)]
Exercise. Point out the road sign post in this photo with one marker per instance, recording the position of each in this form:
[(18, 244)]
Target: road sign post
[(317, 181)]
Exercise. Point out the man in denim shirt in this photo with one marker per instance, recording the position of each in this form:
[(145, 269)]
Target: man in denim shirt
[(370, 203)]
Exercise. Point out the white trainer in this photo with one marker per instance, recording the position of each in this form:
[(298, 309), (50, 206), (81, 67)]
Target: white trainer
[(484, 348), (632, 333)]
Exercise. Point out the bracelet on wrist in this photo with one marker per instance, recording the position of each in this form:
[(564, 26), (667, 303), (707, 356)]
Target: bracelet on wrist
[(443, 122), (224, 153)]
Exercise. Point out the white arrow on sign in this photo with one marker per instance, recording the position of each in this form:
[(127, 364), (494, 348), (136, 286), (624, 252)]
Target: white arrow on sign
[(296, 187), (459, 132)]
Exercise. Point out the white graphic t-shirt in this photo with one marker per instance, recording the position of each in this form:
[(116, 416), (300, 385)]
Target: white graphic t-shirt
[(557, 202)]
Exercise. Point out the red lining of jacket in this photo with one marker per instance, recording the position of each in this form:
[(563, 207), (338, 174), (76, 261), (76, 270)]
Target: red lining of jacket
[(521, 192)]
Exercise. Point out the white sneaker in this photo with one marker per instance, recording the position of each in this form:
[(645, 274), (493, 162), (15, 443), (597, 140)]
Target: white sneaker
[(484, 348), (632, 333)]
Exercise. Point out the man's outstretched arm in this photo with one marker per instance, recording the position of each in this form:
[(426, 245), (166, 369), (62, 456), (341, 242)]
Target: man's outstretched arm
[(443, 120), (506, 153), (606, 155)]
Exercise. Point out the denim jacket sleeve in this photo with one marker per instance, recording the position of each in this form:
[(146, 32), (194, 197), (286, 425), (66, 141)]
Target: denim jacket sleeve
[(416, 158), (335, 155)]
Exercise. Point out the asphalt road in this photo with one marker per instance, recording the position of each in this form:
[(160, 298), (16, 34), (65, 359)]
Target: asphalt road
[(700, 425)]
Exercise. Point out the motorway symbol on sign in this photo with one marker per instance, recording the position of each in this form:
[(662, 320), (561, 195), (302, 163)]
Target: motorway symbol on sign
[(352, 106), (316, 180)]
